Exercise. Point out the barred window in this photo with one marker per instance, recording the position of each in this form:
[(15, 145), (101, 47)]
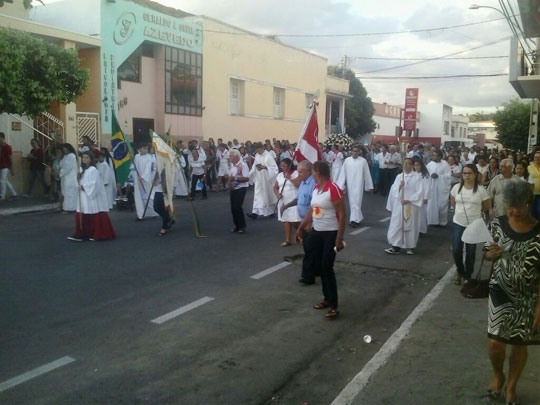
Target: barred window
[(183, 82)]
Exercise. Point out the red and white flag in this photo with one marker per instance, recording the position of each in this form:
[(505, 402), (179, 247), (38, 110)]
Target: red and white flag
[(308, 144)]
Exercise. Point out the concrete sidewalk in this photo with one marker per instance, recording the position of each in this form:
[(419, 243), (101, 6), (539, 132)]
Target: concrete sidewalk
[(24, 205), (444, 359)]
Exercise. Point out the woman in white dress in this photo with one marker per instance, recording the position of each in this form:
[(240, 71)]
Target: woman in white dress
[(223, 156), (286, 191), (68, 178)]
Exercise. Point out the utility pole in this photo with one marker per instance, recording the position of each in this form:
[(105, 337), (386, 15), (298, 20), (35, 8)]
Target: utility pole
[(344, 62)]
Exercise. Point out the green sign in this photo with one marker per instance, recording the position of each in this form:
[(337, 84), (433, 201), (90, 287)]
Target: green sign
[(125, 25)]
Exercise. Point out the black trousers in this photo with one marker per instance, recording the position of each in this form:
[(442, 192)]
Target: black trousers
[(159, 207), (237, 200), (308, 264), (194, 179), (392, 177), (323, 243)]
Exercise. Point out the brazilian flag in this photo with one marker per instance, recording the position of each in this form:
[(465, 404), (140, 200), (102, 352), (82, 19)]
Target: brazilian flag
[(121, 152)]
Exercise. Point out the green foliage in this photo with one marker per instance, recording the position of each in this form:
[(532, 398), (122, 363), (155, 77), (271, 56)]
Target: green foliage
[(358, 110), (481, 116), (34, 73), (512, 124)]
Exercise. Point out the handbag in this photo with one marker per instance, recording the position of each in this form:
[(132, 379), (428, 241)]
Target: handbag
[(477, 287)]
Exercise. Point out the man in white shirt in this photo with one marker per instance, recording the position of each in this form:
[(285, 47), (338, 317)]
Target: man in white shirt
[(495, 188)]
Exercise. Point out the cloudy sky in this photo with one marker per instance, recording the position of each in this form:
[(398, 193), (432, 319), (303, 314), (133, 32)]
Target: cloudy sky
[(369, 16)]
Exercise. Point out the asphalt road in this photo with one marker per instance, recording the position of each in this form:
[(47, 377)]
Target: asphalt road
[(252, 341)]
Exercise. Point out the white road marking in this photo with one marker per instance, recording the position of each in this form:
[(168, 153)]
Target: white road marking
[(181, 310), (365, 228), (359, 382), (35, 373), (270, 270), (385, 219)]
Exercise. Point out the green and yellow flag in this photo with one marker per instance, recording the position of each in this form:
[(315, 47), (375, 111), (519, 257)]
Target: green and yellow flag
[(121, 152)]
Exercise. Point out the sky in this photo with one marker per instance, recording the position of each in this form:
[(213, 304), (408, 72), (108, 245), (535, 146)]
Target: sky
[(368, 16), (323, 17)]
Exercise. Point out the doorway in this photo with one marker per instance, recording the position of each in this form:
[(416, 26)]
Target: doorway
[(141, 130)]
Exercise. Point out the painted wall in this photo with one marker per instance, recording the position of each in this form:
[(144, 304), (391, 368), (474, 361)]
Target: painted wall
[(262, 64), (90, 100)]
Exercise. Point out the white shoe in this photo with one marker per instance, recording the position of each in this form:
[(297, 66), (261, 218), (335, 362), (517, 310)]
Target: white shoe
[(410, 252), (74, 239), (391, 251)]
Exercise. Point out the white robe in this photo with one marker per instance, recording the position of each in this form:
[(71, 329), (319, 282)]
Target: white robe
[(180, 186), (113, 191), (437, 207), (223, 163), (288, 193), (93, 197), (68, 181), (404, 227), (146, 169), (103, 169), (264, 198), (355, 175), (337, 164), (426, 182)]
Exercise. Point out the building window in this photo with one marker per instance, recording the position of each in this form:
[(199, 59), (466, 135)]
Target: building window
[(279, 101), (183, 82), (236, 97), (446, 127), (130, 70), (453, 133), (309, 101)]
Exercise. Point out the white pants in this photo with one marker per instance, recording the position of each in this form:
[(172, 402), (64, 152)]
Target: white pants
[(5, 182)]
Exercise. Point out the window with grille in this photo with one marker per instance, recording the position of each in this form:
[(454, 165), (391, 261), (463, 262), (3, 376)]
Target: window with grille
[(183, 82), (236, 97), (279, 96)]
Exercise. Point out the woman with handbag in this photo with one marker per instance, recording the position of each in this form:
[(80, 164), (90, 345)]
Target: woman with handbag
[(469, 200), (514, 288)]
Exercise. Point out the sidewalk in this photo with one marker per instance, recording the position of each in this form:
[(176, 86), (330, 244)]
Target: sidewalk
[(444, 359), (24, 205)]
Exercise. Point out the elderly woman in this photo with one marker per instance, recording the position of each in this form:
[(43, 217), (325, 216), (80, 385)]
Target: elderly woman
[(327, 217), (514, 288)]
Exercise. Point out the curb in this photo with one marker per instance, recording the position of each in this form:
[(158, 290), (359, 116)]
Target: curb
[(32, 208)]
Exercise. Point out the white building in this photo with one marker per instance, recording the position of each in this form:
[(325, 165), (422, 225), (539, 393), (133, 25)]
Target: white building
[(483, 133)]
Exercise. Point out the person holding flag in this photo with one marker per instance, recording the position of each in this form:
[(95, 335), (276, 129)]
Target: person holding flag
[(144, 173)]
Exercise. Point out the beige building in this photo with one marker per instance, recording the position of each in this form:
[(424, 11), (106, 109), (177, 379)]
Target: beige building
[(257, 88)]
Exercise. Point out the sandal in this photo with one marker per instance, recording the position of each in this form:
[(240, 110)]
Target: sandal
[(161, 233), (321, 305), (286, 243), (491, 395), (332, 313)]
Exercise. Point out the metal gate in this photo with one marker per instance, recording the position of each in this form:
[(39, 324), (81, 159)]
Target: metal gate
[(88, 125)]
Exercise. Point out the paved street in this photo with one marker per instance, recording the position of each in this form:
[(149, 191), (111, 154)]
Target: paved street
[(249, 340)]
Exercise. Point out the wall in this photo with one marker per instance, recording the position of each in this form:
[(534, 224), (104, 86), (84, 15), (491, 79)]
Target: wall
[(15, 10), (90, 100), (82, 16), (141, 96), (432, 120), (262, 63)]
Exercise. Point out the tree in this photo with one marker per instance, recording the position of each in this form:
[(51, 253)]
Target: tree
[(358, 110), (512, 124), (480, 116), (34, 73)]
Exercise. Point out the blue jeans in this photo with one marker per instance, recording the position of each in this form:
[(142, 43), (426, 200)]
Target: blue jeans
[(457, 251)]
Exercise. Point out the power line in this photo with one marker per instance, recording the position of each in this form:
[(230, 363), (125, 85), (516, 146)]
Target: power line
[(357, 34), (439, 57), (426, 59), (359, 76)]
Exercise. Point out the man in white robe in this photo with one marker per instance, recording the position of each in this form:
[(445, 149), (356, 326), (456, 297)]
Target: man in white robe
[(405, 201), (441, 178), (355, 175), (337, 163), (144, 172), (263, 175)]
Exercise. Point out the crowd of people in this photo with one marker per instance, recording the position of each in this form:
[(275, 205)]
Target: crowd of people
[(421, 186)]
